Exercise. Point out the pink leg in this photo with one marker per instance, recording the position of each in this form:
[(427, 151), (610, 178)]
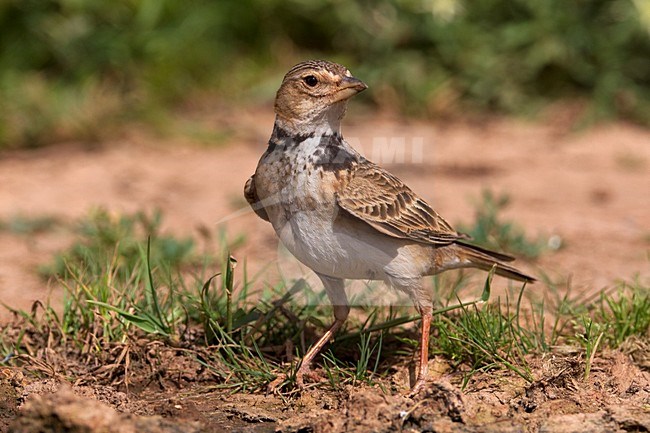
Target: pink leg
[(305, 365), (335, 289), (422, 300), (423, 370)]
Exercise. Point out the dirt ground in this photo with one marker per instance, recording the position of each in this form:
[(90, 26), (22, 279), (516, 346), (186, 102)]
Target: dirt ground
[(614, 399), (589, 188)]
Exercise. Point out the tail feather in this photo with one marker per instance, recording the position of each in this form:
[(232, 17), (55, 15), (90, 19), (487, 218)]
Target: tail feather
[(499, 256), (486, 259)]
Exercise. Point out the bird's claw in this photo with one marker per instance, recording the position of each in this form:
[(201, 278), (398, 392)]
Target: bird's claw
[(417, 387), (309, 374), (276, 384)]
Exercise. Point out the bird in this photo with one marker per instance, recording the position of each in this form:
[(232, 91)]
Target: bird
[(346, 217)]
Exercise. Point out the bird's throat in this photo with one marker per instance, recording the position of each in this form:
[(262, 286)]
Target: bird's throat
[(318, 123)]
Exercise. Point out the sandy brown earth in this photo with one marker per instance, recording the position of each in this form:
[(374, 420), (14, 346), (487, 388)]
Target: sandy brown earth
[(590, 188), (615, 398)]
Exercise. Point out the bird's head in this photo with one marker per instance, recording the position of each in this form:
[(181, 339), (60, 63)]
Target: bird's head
[(314, 94)]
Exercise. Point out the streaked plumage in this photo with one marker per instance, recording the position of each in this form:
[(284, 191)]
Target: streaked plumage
[(344, 216)]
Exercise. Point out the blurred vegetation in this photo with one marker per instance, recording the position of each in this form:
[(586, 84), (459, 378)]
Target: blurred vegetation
[(107, 239), (491, 230), (74, 69)]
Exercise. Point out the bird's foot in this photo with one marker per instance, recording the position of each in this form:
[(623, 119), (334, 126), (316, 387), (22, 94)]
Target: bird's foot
[(302, 374), (276, 384), (419, 385), (309, 374)]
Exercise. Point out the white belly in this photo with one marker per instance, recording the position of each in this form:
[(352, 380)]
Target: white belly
[(342, 250)]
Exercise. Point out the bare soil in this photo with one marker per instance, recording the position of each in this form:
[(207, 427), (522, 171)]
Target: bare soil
[(614, 398), (589, 188)]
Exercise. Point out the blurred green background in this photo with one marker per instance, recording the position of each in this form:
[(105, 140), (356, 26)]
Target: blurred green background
[(74, 69)]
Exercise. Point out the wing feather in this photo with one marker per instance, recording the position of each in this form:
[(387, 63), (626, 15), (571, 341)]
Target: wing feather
[(380, 199), (251, 197)]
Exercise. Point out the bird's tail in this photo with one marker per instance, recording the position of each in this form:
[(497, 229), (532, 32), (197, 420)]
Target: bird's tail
[(485, 259)]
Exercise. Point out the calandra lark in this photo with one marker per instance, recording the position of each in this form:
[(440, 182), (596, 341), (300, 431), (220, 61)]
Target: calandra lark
[(344, 216)]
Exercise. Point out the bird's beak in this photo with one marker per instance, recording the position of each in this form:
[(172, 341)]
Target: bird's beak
[(348, 87)]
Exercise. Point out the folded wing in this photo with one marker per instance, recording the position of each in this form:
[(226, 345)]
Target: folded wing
[(380, 199), (251, 197)]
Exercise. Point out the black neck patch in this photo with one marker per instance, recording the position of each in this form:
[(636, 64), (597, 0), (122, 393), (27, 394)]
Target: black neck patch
[(332, 154), (281, 139)]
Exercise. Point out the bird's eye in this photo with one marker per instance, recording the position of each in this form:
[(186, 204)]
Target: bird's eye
[(310, 80)]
